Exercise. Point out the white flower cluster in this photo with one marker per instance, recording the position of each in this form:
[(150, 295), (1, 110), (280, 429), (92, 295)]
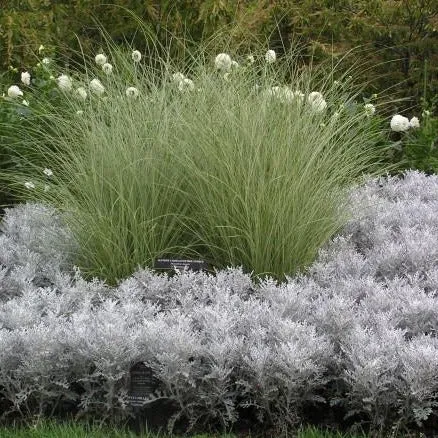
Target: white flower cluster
[(285, 94), (224, 63), (14, 91), (183, 83), (25, 78), (132, 92), (400, 123), (102, 60)]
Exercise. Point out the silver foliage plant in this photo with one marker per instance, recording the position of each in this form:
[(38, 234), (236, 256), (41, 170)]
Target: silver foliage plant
[(357, 330)]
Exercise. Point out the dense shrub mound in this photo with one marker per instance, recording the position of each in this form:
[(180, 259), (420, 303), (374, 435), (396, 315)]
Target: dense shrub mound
[(356, 333)]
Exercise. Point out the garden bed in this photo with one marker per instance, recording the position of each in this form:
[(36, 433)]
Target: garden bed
[(353, 338)]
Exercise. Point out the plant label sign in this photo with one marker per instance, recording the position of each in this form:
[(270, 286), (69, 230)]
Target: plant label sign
[(180, 264), (142, 384)]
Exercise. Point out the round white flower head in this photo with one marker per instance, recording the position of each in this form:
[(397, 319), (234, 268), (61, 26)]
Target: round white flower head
[(41, 49), (223, 62), (46, 61), (25, 78), (81, 93), (250, 59), (317, 101), (100, 59), (234, 64), (64, 83), (29, 185), (48, 172), (136, 56), (97, 87), (319, 105), (270, 56), (399, 123), (414, 122), (186, 85), (107, 68), (14, 91), (425, 113), (177, 78), (132, 92), (370, 109), (314, 95)]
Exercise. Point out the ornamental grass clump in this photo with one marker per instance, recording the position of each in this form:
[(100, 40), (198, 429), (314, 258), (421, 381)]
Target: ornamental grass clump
[(244, 167)]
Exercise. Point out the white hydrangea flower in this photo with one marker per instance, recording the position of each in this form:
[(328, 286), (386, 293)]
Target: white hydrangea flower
[(96, 87), (132, 92), (234, 64), (46, 61), (48, 172), (177, 77), (370, 109), (25, 78), (136, 56), (399, 123), (186, 85), (223, 62), (107, 68), (250, 59), (14, 91), (414, 123), (64, 83), (81, 93), (270, 56), (100, 59), (29, 185)]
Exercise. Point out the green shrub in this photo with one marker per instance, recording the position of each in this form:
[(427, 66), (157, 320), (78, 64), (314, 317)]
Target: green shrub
[(417, 149), (234, 168)]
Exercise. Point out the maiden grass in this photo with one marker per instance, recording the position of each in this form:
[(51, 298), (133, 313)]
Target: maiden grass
[(224, 172)]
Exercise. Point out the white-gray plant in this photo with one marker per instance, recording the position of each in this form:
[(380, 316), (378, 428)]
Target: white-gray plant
[(358, 329)]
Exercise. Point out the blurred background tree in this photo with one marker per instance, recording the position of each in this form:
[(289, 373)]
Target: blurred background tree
[(399, 37)]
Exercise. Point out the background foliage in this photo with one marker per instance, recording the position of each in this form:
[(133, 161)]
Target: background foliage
[(399, 36)]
